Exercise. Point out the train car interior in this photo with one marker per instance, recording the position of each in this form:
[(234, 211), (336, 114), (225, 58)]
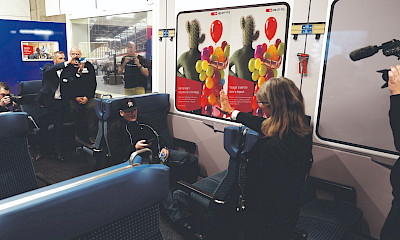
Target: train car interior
[(176, 61)]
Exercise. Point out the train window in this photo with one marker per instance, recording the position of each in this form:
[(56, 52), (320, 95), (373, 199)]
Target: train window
[(235, 49), (354, 100), (108, 41)]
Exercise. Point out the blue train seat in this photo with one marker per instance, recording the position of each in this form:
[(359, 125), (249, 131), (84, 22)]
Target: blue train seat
[(153, 110), (206, 195), (119, 202), (29, 90), (154, 107), (17, 174), (319, 219)]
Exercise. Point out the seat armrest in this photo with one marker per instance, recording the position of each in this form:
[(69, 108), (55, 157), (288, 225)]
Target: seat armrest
[(187, 187), (189, 147), (341, 192)]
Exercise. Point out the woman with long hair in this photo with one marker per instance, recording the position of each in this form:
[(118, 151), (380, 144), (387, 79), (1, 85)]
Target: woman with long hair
[(278, 162)]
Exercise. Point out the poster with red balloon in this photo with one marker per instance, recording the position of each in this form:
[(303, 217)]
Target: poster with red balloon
[(232, 49)]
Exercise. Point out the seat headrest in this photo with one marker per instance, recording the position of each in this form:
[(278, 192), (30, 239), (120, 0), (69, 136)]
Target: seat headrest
[(232, 136), (29, 87), (147, 103), (13, 124)]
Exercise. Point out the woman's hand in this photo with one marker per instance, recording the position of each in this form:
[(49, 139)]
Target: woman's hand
[(394, 80), (225, 106)]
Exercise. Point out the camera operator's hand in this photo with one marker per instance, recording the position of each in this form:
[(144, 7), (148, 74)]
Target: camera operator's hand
[(6, 100), (136, 59), (394, 80)]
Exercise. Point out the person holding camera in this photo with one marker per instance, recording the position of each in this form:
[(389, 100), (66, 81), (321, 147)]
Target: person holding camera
[(135, 71), (54, 98), (83, 98), (5, 99), (390, 229)]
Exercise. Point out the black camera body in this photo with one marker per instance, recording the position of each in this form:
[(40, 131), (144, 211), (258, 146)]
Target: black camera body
[(14, 98)]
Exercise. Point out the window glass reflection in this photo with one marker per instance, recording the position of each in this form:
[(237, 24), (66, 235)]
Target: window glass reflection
[(107, 42)]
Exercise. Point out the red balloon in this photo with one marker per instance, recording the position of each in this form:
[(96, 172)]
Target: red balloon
[(277, 42), (256, 88), (217, 76), (206, 90), (211, 49), (265, 47), (254, 104), (270, 27), (203, 100), (217, 88), (216, 30)]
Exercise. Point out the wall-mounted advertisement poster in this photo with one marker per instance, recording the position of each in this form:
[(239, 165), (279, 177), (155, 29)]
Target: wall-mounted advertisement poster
[(38, 50), (234, 49)]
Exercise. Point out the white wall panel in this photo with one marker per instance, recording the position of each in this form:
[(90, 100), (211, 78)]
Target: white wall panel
[(15, 10)]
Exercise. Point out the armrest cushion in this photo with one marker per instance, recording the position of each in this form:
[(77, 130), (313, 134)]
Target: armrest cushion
[(341, 192)]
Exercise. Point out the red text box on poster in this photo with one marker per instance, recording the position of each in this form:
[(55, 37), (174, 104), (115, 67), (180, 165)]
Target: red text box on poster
[(240, 92), (28, 50), (187, 94)]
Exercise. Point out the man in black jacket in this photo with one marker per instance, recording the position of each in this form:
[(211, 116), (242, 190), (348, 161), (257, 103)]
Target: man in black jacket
[(391, 230), (54, 98), (127, 135), (5, 99), (82, 98)]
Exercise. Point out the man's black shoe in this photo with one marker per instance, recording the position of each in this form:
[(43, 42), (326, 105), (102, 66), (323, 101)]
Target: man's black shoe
[(60, 158)]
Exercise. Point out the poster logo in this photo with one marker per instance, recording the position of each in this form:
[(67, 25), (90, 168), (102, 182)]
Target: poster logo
[(214, 13), (268, 10), (28, 50)]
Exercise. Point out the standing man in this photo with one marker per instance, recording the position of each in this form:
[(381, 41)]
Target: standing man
[(54, 98), (391, 228), (135, 71), (5, 99), (82, 101)]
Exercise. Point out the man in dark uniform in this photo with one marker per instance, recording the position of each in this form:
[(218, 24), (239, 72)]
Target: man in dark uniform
[(391, 228), (5, 99), (82, 98), (53, 98), (135, 71), (127, 135)]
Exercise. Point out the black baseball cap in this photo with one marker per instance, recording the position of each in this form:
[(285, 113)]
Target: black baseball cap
[(127, 103)]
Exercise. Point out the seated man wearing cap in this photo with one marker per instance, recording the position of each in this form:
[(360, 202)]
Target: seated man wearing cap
[(127, 135)]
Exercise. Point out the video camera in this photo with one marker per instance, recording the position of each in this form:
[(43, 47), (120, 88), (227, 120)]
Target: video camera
[(391, 48)]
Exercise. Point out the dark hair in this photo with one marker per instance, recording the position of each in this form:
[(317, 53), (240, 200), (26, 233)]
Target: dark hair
[(59, 52), (4, 85)]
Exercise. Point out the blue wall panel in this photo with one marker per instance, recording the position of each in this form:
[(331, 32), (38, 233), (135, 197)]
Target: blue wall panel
[(12, 68)]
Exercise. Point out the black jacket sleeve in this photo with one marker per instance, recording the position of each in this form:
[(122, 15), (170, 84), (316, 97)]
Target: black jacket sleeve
[(253, 122), (91, 82), (394, 116), (120, 150), (85, 84)]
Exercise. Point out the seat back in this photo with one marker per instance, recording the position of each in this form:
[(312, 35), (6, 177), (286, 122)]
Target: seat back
[(17, 174), (120, 202), (153, 110), (29, 91)]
